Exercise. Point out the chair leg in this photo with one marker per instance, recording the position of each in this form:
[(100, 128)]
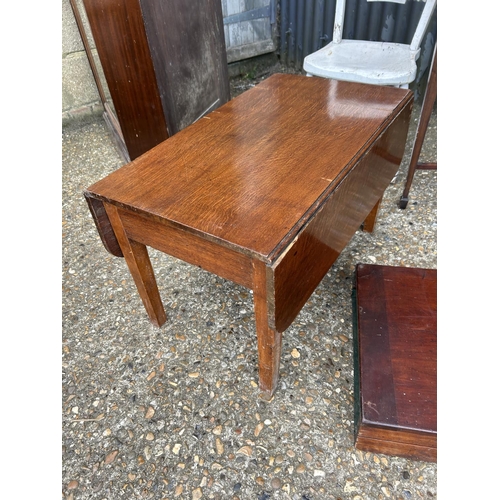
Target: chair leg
[(425, 115)]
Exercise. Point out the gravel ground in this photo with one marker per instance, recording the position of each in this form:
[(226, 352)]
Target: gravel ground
[(174, 412)]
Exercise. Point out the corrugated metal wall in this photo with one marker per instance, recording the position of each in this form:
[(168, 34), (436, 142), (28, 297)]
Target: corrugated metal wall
[(307, 25)]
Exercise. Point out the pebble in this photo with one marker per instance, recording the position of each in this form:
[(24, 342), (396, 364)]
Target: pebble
[(276, 483), (197, 494), (349, 486), (301, 468), (176, 448), (72, 485), (110, 457), (258, 429), (295, 353), (245, 450), (219, 446)]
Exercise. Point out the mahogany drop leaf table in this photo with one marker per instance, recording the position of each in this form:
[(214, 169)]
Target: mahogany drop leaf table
[(265, 191)]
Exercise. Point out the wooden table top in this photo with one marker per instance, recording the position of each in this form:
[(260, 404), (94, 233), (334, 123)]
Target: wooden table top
[(251, 173)]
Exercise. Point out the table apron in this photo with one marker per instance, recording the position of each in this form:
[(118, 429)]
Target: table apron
[(188, 247)]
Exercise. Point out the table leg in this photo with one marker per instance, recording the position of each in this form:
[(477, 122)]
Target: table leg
[(137, 258), (369, 224), (268, 339)]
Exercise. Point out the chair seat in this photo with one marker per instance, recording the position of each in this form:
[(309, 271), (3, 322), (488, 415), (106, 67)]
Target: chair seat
[(355, 60)]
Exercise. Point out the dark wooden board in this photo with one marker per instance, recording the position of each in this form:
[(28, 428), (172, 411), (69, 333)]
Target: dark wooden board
[(396, 360), (164, 63), (121, 42), (189, 56)]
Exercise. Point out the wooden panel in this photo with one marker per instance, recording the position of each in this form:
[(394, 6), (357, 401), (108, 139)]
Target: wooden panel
[(189, 56), (397, 448), (121, 42), (396, 435), (396, 342), (248, 28), (189, 247), (103, 226), (305, 263), (239, 171)]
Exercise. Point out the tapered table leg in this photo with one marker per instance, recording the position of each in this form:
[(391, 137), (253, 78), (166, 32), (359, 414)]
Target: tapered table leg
[(268, 339), (369, 224), (137, 258)]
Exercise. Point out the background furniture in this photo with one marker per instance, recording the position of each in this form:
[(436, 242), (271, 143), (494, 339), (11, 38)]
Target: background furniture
[(379, 63), (164, 64), (395, 355), (265, 191), (423, 122)]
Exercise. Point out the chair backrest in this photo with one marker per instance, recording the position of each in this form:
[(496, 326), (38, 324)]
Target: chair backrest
[(422, 25)]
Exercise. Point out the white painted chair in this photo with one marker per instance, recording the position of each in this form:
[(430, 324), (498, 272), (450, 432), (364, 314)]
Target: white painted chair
[(379, 63)]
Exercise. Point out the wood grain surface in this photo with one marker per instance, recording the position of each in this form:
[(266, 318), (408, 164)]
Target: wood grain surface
[(252, 172), (121, 42), (397, 360)]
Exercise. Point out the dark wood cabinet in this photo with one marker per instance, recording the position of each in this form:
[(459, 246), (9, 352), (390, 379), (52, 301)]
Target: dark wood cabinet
[(164, 62)]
